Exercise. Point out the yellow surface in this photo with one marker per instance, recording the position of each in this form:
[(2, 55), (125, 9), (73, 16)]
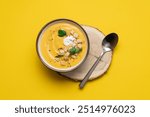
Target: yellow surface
[(23, 76)]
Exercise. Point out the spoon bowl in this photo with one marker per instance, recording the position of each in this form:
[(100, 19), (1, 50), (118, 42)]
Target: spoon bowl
[(110, 42)]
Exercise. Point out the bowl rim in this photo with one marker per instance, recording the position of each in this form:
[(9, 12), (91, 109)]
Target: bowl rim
[(55, 68)]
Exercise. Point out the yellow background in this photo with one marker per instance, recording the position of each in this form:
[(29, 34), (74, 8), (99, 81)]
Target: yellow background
[(23, 76)]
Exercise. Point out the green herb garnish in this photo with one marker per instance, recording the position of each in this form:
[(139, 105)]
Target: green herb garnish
[(78, 50), (74, 50), (61, 33)]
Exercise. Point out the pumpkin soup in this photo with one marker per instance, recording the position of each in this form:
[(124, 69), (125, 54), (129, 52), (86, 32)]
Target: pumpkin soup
[(63, 44)]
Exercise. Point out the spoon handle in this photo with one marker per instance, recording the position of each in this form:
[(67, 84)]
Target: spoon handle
[(90, 71)]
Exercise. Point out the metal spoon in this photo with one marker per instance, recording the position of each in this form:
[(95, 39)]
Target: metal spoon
[(108, 44)]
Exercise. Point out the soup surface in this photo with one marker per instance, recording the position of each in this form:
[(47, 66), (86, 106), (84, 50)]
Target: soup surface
[(63, 44)]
